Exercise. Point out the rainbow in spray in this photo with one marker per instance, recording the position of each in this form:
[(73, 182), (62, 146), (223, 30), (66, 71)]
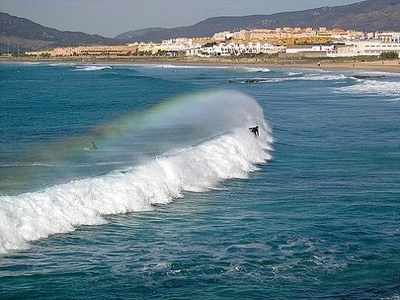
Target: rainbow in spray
[(191, 143), (135, 138)]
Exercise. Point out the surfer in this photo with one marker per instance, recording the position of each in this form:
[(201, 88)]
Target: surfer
[(255, 131), (93, 146)]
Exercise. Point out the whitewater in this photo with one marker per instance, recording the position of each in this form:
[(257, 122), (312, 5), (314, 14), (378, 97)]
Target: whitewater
[(222, 148), (181, 200)]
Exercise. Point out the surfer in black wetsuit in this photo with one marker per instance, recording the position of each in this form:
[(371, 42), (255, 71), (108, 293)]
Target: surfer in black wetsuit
[(255, 131)]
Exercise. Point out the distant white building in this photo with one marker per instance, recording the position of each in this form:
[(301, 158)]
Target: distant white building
[(351, 48), (389, 37), (376, 47), (368, 47), (171, 47), (233, 49), (179, 44), (222, 36), (309, 48)]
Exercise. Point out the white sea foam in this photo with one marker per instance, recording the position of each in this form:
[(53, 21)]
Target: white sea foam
[(320, 76), (374, 87), (92, 68), (326, 76), (295, 73), (62, 64), (61, 208), (261, 70)]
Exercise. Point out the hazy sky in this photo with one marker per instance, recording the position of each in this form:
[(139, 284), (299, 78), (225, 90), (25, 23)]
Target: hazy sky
[(112, 17)]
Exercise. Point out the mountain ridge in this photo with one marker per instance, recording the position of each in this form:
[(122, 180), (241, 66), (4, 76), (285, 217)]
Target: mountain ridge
[(371, 15), (20, 34), (27, 35)]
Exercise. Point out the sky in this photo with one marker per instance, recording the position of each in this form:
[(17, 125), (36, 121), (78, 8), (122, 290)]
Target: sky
[(110, 18)]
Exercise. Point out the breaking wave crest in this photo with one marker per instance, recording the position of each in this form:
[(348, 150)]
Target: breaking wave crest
[(196, 167)]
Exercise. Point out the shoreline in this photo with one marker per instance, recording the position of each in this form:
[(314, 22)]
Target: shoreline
[(391, 66)]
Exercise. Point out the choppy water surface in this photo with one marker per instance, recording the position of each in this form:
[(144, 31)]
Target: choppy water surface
[(181, 200)]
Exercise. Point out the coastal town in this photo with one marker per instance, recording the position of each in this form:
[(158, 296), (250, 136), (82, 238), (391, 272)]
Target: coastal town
[(284, 43)]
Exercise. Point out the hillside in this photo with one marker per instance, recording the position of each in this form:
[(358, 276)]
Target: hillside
[(19, 34), (371, 15), (27, 35)]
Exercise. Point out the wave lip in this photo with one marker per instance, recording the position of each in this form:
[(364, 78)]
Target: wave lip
[(198, 167)]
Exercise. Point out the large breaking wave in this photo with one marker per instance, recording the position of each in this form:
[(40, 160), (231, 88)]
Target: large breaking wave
[(216, 146)]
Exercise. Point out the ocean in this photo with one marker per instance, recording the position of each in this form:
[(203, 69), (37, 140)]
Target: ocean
[(180, 200)]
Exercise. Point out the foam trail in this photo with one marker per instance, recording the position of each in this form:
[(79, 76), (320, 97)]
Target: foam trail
[(197, 167)]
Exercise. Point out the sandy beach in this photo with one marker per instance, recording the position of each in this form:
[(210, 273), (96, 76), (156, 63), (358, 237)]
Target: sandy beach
[(373, 66), (324, 64), (380, 66)]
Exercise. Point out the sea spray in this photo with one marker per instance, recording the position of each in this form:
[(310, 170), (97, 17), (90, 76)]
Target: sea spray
[(217, 148), (132, 139)]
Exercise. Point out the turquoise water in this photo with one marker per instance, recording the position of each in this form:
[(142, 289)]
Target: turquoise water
[(181, 201)]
